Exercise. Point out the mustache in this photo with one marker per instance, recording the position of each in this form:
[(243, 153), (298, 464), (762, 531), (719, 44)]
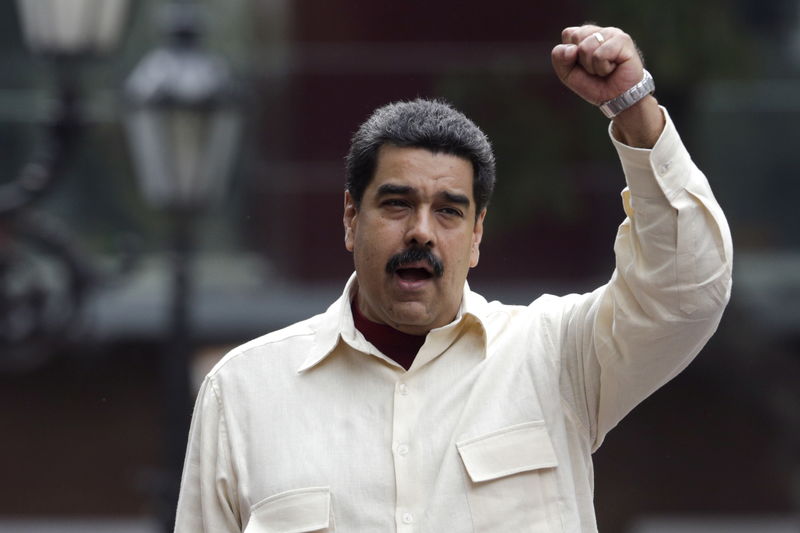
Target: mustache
[(413, 255)]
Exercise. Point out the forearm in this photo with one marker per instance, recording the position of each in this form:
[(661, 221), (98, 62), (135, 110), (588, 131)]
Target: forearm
[(640, 125), (676, 237)]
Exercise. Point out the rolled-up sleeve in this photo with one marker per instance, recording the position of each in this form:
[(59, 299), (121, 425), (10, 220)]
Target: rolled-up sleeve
[(208, 500), (666, 296)]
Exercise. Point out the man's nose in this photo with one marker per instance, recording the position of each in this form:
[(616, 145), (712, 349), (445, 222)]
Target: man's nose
[(420, 229)]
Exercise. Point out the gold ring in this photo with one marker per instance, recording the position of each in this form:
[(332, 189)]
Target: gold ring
[(599, 36)]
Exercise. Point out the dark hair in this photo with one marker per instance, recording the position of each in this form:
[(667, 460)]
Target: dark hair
[(430, 124)]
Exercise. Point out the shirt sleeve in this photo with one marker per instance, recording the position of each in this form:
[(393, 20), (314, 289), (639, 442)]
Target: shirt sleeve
[(666, 296), (208, 501)]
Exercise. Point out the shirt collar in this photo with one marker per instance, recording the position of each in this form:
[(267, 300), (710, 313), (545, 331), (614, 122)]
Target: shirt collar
[(336, 324)]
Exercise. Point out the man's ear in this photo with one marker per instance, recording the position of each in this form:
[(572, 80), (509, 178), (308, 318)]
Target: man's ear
[(477, 235), (349, 220)]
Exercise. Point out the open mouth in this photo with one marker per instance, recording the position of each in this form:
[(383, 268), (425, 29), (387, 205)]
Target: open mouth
[(413, 274), (415, 266)]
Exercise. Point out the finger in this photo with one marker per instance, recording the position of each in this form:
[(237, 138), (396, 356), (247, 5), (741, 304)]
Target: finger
[(605, 57), (617, 51), (564, 57), (566, 34), (581, 33), (586, 50), (600, 55), (602, 67)]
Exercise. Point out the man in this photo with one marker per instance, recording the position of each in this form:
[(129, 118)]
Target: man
[(412, 404)]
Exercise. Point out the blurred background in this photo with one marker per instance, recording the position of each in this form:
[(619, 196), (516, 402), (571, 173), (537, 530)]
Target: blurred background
[(173, 191)]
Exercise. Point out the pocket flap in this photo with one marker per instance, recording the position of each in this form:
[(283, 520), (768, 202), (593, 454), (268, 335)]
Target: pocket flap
[(293, 511), (507, 451)]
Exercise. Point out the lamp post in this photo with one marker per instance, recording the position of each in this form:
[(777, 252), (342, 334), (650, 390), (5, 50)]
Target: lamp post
[(183, 129), (36, 314)]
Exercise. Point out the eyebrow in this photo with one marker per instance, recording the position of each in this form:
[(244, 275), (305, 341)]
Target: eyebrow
[(390, 188), (454, 198)]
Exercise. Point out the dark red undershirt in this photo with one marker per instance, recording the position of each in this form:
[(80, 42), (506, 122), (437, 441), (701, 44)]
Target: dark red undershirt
[(400, 347)]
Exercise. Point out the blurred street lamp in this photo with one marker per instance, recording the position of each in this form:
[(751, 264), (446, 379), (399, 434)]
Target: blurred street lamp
[(37, 308), (183, 129), (72, 27), (64, 31), (183, 124)]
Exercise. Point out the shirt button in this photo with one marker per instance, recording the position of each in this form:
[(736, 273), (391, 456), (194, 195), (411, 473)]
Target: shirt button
[(664, 167), (403, 388), (408, 518), (402, 449)]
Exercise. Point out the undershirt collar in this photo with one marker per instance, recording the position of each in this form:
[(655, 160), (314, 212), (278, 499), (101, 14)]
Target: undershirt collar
[(400, 347)]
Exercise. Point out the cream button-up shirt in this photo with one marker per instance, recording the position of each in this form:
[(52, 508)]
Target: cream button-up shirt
[(311, 428)]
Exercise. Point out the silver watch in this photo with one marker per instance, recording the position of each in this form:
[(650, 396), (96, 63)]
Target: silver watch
[(617, 105)]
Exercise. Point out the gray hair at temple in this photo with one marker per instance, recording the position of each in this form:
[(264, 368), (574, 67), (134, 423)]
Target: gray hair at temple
[(430, 124)]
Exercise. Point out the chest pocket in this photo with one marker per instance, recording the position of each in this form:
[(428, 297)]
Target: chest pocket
[(293, 511), (512, 482)]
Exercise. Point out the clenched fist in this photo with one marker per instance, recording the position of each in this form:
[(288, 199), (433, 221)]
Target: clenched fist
[(600, 64)]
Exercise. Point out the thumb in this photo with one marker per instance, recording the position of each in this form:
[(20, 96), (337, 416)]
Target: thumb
[(564, 57)]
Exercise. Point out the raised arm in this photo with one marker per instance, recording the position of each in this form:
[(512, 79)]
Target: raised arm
[(673, 251)]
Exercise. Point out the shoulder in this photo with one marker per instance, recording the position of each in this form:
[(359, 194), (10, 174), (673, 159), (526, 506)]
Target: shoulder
[(545, 307), (546, 319), (277, 347)]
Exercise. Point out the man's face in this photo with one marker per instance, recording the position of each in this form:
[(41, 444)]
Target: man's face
[(421, 202)]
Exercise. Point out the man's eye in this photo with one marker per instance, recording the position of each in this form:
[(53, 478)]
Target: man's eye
[(451, 211), (394, 202)]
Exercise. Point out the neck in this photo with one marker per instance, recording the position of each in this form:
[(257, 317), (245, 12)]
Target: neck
[(400, 347)]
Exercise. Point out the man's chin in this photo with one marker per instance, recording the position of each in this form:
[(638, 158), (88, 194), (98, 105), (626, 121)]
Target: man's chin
[(411, 317)]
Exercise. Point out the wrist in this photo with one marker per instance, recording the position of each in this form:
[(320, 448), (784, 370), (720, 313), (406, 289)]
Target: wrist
[(640, 125), (621, 102)]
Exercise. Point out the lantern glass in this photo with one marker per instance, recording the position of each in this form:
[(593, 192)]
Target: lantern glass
[(72, 27), (186, 134), (183, 155)]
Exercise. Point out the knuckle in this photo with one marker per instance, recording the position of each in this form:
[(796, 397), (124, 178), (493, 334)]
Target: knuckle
[(568, 33)]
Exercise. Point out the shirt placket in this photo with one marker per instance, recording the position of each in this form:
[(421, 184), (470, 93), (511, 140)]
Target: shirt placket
[(409, 462), (405, 455)]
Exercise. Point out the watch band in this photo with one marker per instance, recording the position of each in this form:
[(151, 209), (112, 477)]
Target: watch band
[(617, 105)]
